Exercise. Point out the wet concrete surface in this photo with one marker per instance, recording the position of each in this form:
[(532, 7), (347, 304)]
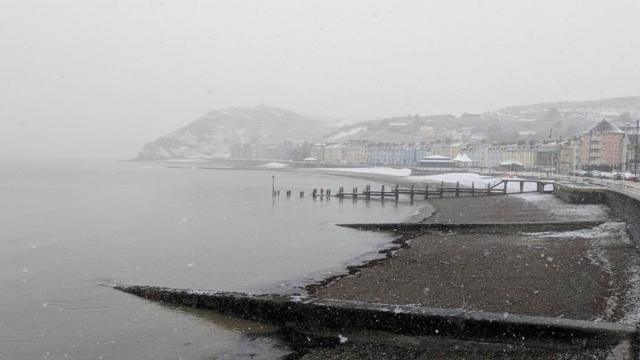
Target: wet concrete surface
[(441, 349)]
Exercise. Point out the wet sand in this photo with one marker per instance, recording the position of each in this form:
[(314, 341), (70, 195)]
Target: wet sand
[(588, 274), (559, 275), (494, 273)]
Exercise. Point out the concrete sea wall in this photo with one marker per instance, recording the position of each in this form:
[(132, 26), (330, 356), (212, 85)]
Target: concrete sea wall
[(624, 206)]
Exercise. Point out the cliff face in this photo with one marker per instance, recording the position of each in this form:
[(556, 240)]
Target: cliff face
[(211, 135)]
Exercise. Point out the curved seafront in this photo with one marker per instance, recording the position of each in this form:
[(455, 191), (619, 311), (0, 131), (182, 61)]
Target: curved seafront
[(588, 274), (521, 276), (95, 223)]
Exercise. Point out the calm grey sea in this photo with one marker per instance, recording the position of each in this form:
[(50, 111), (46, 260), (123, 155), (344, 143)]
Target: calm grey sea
[(69, 227)]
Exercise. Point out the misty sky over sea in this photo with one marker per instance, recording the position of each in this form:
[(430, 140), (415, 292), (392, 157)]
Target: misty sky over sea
[(101, 78)]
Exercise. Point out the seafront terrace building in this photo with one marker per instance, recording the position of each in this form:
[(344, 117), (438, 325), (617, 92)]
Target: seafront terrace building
[(449, 150), (478, 154), (395, 154), (524, 155), (343, 154), (547, 157), (601, 147), (568, 159), (494, 156), (631, 147)]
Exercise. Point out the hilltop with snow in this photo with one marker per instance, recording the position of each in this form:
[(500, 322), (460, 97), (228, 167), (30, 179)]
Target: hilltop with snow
[(211, 135)]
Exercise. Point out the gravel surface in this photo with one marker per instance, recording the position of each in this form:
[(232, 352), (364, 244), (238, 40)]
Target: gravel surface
[(590, 274)]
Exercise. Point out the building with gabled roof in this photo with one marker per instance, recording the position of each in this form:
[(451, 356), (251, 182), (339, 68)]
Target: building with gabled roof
[(601, 147)]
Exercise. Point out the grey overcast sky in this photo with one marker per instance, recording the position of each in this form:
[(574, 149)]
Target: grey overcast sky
[(101, 78)]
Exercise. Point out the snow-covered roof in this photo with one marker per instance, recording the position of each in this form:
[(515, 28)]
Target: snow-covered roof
[(462, 158), (274, 165), (436, 157), (310, 159), (604, 126), (511, 162)]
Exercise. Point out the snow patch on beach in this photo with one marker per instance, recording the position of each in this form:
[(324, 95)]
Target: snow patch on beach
[(477, 180), (559, 208), (373, 170), (598, 256), (465, 179), (275, 165), (604, 234), (632, 297), (599, 239)]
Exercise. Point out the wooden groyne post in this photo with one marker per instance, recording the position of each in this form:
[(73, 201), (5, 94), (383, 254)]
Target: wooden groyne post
[(454, 190)]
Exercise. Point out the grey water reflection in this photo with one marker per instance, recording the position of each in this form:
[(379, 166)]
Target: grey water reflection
[(68, 227)]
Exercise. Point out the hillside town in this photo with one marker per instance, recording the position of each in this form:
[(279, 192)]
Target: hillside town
[(604, 146)]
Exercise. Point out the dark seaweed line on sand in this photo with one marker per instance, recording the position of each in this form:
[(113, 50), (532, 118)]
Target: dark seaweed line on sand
[(401, 242)]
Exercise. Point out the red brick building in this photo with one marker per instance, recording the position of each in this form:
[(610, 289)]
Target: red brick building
[(601, 147)]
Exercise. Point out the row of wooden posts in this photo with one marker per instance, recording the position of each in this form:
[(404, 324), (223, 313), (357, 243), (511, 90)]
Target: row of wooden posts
[(433, 191), (276, 193), (413, 192)]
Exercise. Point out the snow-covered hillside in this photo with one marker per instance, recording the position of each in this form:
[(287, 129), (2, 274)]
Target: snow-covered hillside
[(211, 135)]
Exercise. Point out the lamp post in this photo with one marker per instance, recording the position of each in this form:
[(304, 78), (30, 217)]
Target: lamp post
[(635, 160), (589, 163)]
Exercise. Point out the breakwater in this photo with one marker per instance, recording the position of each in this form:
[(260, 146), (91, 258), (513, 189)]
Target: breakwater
[(312, 315)]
